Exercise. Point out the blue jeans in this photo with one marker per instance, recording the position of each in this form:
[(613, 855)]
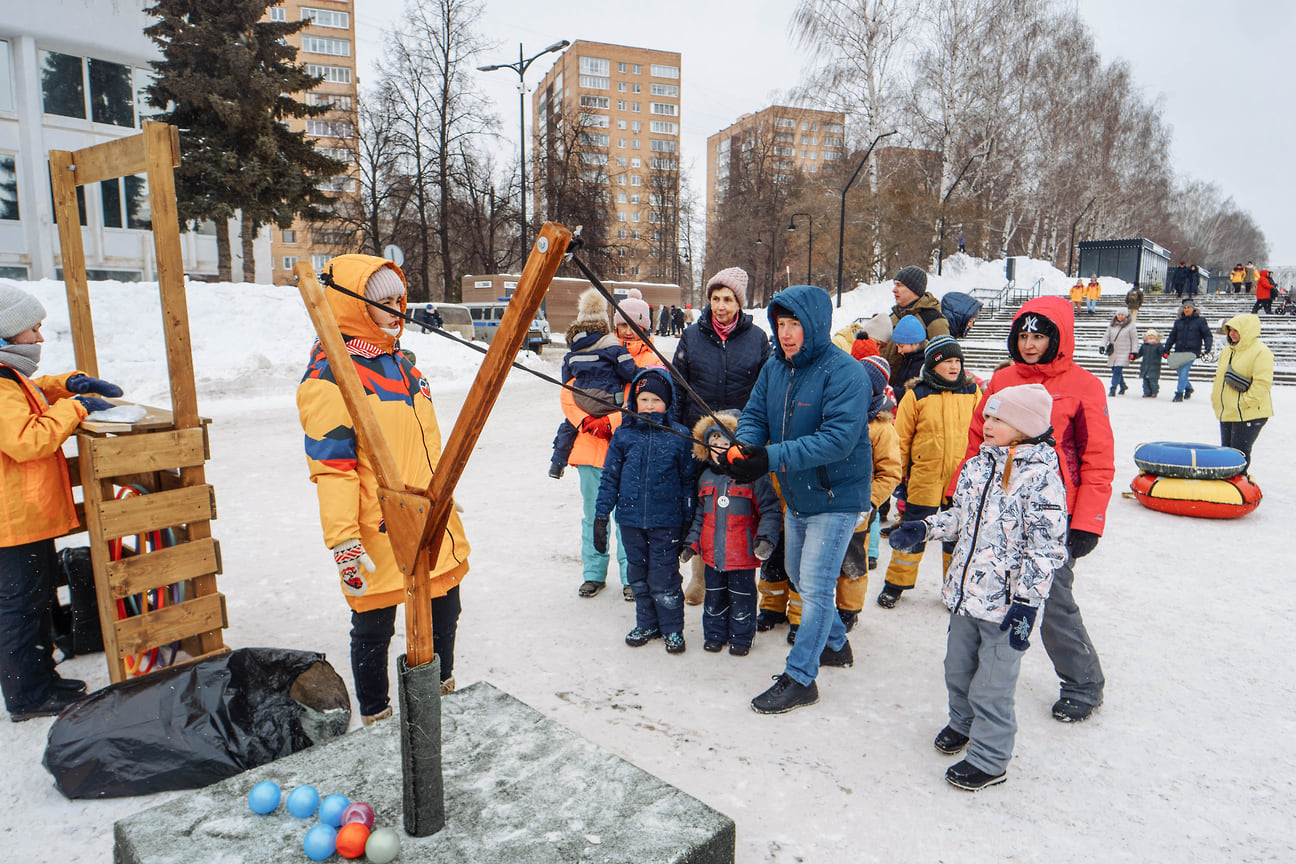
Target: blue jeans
[(594, 564), (1091, 305), (1182, 372), (1118, 378), (814, 546)]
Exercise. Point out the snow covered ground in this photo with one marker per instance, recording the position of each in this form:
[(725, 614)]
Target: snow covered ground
[(1192, 618)]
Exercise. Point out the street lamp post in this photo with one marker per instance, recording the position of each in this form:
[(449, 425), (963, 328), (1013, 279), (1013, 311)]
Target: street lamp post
[(841, 224), (940, 233), (809, 243), (520, 67)]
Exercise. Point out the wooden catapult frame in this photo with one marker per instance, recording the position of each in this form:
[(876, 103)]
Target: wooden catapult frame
[(164, 454)]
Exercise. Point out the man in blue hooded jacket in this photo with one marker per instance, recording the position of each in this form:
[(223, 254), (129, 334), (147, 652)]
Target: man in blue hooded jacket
[(807, 422)]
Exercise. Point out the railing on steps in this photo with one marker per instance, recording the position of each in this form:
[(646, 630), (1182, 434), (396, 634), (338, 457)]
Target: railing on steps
[(993, 302)]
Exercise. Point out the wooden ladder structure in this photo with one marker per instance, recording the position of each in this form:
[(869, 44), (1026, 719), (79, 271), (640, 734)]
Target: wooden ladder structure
[(165, 454)]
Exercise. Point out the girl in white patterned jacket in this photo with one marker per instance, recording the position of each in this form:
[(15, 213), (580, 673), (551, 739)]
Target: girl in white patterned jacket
[(1009, 519)]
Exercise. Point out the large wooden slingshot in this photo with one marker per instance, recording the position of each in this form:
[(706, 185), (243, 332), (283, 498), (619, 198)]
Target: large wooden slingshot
[(416, 518)]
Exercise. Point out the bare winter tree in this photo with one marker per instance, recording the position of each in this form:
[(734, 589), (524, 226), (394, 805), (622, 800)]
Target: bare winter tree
[(572, 183)]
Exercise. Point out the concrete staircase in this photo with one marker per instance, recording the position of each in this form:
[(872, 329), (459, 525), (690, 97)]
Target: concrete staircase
[(986, 345)]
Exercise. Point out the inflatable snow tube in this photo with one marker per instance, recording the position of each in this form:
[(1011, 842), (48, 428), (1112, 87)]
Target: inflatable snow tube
[(1212, 499), (1189, 461)]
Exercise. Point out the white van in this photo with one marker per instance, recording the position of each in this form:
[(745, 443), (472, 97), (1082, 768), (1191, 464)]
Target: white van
[(487, 316), (455, 318)]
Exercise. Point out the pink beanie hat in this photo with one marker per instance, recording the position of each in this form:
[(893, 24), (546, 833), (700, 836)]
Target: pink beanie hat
[(1026, 407), (636, 308), (733, 278)]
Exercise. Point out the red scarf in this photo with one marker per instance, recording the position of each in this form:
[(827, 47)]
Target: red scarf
[(723, 330)]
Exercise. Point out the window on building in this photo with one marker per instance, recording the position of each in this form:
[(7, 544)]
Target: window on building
[(634, 235), (635, 163), (634, 143), (805, 126), (634, 199), (621, 181), (667, 109), (621, 88), (829, 155), (784, 123), (6, 78), (80, 196), (634, 268), (594, 139), (621, 124), (621, 198), (621, 270), (139, 213), (110, 202), (621, 160), (621, 217), (279, 14), (814, 127), (636, 69), (595, 66), (635, 88), (289, 236), (663, 127), (665, 71), (289, 262), (671, 90), (621, 67), (330, 74), (621, 234), (635, 180), (319, 262), (112, 97), (62, 84), (8, 187), (322, 45), (835, 128), (666, 164), (832, 141), (635, 126), (659, 146), (634, 107), (325, 18), (330, 128), (593, 82), (595, 121), (589, 100)]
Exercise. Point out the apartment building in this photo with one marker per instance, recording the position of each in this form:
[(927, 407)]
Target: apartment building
[(616, 109), (326, 46), (795, 140)]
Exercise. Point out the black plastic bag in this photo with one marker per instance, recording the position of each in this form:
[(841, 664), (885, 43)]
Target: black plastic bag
[(76, 625), (188, 727)]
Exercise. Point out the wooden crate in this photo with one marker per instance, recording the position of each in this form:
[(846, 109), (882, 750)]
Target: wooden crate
[(165, 454)]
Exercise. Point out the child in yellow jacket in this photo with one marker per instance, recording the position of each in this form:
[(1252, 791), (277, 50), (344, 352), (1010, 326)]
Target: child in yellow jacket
[(932, 423)]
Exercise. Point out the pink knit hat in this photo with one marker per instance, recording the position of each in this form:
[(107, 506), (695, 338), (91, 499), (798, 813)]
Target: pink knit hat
[(636, 308), (1026, 407), (733, 278)]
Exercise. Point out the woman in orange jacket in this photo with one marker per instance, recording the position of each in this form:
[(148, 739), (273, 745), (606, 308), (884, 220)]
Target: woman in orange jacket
[(36, 417), (343, 474)]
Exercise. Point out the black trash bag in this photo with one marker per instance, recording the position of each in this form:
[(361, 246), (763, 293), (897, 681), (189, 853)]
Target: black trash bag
[(76, 624), (188, 727)]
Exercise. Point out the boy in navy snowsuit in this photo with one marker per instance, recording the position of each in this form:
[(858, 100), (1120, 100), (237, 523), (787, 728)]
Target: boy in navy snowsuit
[(599, 366), (735, 527), (1150, 364), (648, 477)]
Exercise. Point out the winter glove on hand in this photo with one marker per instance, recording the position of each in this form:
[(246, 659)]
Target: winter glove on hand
[(601, 535), (1165, 356), (350, 556), (85, 384), (751, 464), (94, 403), (686, 554), (763, 550), (1081, 543), (1019, 622), (599, 427), (906, 535)]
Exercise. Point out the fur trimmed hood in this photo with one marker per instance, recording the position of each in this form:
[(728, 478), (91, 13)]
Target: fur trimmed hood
[(728, 419)]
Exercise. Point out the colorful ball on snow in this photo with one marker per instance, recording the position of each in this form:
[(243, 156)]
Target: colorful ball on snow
[(358, 812), (351, 840), (303, 802), (332, 808), (320, 842), (264, 797), (383, 846)]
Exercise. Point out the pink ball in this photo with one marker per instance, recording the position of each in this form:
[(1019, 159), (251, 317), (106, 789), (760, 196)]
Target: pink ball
[(358, 812)]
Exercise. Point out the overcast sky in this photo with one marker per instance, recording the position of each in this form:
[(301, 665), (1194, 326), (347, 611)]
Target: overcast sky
[(1223, 68)]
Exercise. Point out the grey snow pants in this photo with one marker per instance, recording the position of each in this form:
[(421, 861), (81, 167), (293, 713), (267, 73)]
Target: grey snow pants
[(981, 677)]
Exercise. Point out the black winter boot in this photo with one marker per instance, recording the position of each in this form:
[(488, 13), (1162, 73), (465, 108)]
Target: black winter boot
[(785, 695), (964, 775), (845, 658), (950, 742), (768, 619)]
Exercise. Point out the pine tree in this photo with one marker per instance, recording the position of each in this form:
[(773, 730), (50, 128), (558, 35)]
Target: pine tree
[(227, 80)]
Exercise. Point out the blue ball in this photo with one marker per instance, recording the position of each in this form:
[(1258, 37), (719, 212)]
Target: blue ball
[(264, 797), (320, 842), (303, 801), (330, 810)]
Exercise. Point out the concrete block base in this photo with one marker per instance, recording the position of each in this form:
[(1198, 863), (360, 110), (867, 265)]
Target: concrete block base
[(519, 788)]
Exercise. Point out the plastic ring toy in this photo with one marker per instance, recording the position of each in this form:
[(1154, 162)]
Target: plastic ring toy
[(1189, 461), (1211, 499)]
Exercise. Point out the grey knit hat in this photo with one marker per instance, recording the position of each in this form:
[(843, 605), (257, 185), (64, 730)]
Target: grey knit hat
[(19, 311), (383, 283), (913, 278)]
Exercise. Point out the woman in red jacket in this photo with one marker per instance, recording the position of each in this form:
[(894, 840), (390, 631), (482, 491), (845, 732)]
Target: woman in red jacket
[(1264, 294)]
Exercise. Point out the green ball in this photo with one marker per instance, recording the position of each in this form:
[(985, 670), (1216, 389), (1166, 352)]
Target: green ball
[(383, 846)]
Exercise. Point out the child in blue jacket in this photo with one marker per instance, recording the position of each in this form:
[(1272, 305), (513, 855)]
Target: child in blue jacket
[(648, 478), (597, 365), (735, 527)]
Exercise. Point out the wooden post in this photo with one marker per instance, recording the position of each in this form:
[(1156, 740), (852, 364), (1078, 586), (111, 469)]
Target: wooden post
[(72, 254)]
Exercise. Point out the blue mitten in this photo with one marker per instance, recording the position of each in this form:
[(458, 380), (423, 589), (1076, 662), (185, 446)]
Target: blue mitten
[(906, 535), (94, 403), (1019, 622), (85, 384)]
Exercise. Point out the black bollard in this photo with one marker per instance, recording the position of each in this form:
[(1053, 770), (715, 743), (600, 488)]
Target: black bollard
[(420, 728)]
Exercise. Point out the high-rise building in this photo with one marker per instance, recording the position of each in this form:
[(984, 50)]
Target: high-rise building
[(789, 140), (607, 120), (326, 46)]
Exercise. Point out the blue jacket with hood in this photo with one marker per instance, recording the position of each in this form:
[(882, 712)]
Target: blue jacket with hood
[(812, 409), (649, 475)]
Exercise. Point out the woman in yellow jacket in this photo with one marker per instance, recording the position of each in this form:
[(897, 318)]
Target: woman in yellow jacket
[(1077, 294), (36, 417), (932, 422), (1092, 292), (1242, 384), (343, 474)]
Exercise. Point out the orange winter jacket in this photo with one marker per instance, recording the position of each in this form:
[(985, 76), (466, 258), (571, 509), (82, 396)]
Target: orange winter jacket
[(342, 472), (1093, 291), (36, 417)]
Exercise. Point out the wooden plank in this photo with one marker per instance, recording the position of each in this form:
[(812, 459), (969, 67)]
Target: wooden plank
[(110, 159), (170, 624), (163, 567), (96, 493), (157, 451), (72, 254), (170, 272), (141, 513)]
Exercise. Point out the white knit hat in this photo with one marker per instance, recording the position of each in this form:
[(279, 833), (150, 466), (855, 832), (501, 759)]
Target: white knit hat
[(636, 308), (19, 311), (383, 283), (1026, 407)]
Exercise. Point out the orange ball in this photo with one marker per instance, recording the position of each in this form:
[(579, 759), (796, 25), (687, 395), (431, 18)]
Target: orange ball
[(736, 454), (351, 839)]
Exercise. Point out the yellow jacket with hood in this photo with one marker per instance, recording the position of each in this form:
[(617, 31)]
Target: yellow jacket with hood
[(36, 417), (1249, 358), (342, 472)]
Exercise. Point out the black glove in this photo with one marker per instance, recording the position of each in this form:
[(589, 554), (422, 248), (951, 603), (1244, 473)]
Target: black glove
[(85, 384), (1019, 622), (763, 550), (906, 535), (1081, 543), (94, 403), (600, 535), (686, 554), (752, 463)]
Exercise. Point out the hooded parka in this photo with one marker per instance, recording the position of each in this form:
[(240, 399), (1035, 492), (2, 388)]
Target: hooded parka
[(1251, 359)]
